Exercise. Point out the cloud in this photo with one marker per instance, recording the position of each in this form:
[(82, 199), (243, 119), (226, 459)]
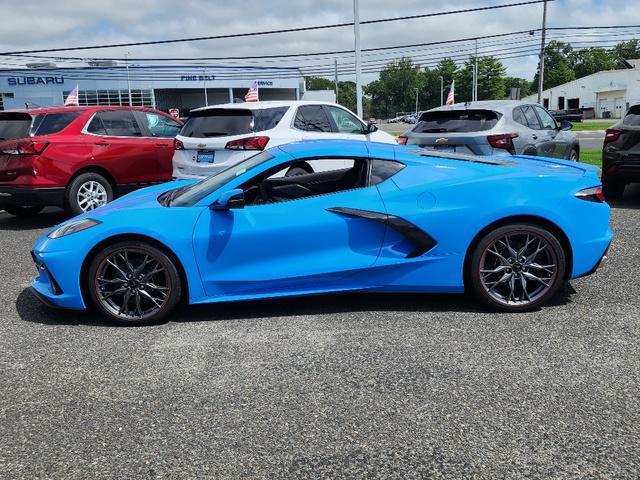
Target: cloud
[(31, 24)]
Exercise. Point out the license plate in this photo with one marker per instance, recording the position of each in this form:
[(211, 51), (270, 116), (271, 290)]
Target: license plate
[(445, 148), (205, 157)]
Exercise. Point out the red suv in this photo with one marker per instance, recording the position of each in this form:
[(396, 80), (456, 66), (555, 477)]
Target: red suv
[(80, 158)]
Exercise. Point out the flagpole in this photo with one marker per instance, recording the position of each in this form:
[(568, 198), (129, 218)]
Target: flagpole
[(126, 55), (356, 31)]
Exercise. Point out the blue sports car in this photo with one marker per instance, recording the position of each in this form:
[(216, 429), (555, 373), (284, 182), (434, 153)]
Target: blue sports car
[(355, 216)]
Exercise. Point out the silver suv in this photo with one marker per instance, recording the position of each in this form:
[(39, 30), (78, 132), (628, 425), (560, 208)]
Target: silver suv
[(494, 128)]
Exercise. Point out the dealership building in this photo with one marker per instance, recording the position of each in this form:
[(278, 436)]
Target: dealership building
[(163, 87), (609, 93)]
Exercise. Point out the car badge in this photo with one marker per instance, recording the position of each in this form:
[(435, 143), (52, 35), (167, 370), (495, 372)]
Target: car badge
[(441, 141), (201, 145)]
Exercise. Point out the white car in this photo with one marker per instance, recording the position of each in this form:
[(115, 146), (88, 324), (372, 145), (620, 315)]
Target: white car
[(216, 137)]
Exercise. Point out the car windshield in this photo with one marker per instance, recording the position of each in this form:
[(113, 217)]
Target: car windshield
[(196, 192), (14, 125), (466, 120)]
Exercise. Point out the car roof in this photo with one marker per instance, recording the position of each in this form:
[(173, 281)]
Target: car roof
[(265, 104), (36, 111), (496, 105)]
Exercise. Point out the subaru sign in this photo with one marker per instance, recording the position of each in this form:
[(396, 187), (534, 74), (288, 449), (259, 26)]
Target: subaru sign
[(35, 80)]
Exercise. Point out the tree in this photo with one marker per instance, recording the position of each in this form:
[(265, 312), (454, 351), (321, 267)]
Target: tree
[(319, 83), (559, 64), (490, 80), (346, 90), (526, 87), (592, 60), (626, 51), (395, 90)]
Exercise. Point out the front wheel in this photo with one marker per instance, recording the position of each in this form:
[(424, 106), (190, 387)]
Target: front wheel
[(517, 268), (22, 211), (134, 283), (574, 156)]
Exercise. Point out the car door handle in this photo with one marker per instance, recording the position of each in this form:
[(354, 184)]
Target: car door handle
[(163, 144), (534, 136), (102, 144)]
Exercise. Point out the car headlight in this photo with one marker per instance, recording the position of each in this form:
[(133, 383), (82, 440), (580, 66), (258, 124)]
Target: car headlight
[(73, 227)]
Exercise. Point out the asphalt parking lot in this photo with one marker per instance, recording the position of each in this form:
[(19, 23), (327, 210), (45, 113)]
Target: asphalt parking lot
[(351, 386)]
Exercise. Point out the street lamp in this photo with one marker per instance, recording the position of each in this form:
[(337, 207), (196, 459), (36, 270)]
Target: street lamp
[(126, 63), (441, 90), (416, 101)]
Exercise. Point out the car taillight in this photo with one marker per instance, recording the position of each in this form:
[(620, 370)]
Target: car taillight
[(503, 141), (593, 194), (26, 148), (177, 144), (402, 140), (249, 143), (611, 135)]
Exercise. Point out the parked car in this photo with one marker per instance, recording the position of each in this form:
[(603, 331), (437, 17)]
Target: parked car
[(214, 138), (494, 128), (81, 158), (621, 154), (393, 219)]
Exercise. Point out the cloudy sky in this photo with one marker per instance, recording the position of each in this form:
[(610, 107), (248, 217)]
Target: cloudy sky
[(29, 24)]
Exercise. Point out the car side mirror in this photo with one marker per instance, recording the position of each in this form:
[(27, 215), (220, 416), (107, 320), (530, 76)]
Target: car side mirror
[(566, 125), (228, 200), (371, 127)]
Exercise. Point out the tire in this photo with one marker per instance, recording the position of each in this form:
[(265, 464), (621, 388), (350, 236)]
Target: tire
[(612, 190), (574, 155), (86, 192), (126, 291), (22, 211), (487, 270), (301, 168)]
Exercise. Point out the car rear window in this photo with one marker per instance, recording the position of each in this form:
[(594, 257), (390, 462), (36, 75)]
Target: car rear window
[(633, 116), (222, 122), (15, 125), (47, 124), (456, 121)]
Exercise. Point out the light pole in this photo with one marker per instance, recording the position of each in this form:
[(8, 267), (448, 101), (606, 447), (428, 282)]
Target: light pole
[(204, 78), (356, 31), (416, 101), (441, 90), (126, 63), (544, 34), (475, 75)]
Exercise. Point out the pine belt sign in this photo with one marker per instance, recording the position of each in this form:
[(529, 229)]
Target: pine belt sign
[(35, 81)]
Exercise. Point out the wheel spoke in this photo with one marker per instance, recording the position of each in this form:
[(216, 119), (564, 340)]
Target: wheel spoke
[(502, 259), (150, 297), (543, 281)]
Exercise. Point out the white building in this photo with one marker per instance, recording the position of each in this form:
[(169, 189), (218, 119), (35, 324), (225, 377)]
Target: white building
[(610, 93), (164, 87)]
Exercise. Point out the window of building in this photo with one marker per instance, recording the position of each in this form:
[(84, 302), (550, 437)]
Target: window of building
[(560, 103), (573, 103), (545, 102), (1, 102), (140, 98)]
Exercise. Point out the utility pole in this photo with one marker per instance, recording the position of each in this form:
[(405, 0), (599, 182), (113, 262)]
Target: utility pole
[(204, 78), (544, 35), (441, 90), (475, 75), (335, 73), (356, 31), (126, 63), (416, 101)]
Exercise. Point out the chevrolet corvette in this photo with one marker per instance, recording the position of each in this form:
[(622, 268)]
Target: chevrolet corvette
[(361, 217)]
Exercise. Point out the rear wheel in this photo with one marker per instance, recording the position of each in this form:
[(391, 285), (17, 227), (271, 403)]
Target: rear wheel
[(22, 211), (296, 169), (134, 283), (87, 192), (517, 267), (574, 156), (612, 190)]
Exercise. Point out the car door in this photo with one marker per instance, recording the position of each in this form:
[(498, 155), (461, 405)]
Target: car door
[(120, 147), (296, 244), (557, 145), (345, 125), (525, 142), (543, 147), (311, 122), (162, 129)]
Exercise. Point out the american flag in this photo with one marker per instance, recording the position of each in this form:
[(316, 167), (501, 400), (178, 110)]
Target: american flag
[(72, 98), (450, 100), (252, 93)]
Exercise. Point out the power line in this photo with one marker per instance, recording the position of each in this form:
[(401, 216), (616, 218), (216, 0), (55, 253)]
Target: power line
[(272, 32)]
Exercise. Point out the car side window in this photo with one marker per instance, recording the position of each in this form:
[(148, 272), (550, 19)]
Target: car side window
[(531, 117), (518, 116), (345, 122), (115, 123), (383, 169), (323, 176), (548, 122), (161, 126), (312, 118), (54, 122)]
